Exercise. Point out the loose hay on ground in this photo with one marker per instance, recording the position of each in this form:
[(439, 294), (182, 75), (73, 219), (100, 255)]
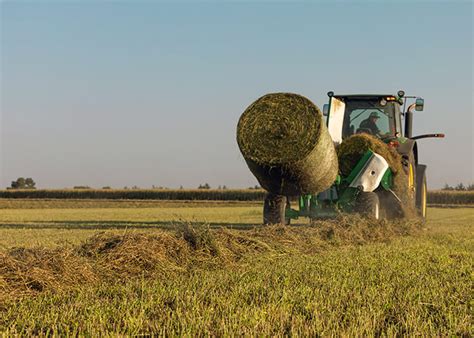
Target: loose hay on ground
[(26, 270), (137, 255)]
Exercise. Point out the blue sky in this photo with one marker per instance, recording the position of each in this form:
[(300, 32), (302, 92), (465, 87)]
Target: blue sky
[(149, 93)]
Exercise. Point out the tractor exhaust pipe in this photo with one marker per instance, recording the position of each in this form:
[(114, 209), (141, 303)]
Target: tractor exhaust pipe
[(409, 121)]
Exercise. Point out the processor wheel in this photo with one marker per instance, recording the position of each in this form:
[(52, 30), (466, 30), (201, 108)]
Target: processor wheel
[(368, 205), (287, 207), (390, 207), (274, 209)]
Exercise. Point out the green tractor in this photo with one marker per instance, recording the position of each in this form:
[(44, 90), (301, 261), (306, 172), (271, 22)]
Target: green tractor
[(368, 189)]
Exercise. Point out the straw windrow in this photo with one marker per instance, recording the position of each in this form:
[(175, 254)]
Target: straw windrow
[(109, 257)]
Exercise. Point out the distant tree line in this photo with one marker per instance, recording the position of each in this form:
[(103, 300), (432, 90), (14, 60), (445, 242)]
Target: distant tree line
[(29, 183), (23, 183), (459, 187)]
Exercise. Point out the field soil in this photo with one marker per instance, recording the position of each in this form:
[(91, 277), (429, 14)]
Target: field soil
[(191, 268)]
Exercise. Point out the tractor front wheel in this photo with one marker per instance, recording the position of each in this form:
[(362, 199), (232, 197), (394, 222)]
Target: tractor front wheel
[(368, 205), (274, 209)]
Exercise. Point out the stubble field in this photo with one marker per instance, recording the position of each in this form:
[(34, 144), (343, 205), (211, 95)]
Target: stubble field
[(193, 268)]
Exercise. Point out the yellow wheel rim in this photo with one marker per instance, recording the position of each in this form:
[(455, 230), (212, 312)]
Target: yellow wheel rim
[(423, 201), (411, 179)]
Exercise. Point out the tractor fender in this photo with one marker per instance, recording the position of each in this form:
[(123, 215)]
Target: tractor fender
[(407, 147)]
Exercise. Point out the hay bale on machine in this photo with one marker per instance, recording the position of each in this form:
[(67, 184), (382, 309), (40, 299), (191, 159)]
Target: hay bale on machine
[(351, 150), (286, 145)]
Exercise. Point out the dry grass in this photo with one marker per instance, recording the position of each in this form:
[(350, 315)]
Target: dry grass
[(24, 271), (106, 257)]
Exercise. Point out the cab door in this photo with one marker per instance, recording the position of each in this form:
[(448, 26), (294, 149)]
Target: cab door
[(335, 119)]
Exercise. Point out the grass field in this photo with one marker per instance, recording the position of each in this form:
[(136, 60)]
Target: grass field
[(320, 279)]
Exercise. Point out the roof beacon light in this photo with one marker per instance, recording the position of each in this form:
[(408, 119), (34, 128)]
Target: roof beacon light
[(401, 93)]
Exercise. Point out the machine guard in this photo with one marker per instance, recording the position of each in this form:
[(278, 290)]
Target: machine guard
[(370, 172), (369, 178)]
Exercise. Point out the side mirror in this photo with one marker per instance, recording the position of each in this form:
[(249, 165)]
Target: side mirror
[(419, 104), (326, 109)]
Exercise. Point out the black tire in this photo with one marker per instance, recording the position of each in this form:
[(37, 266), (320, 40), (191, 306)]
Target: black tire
[(421, 194), (274, 209), (287, 206), (368, 205), (390, 207)]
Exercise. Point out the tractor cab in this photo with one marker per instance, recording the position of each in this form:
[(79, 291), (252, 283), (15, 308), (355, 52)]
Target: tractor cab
[(378, 115)]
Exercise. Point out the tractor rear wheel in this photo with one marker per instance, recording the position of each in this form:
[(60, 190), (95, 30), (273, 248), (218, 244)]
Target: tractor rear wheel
[(274, 209), (368, 205), (421, 194), (287, 206)]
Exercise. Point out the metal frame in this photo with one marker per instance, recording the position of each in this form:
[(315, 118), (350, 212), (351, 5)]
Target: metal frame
[(341, 195)]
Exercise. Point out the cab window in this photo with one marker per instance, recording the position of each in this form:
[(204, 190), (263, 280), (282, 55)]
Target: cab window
[(368, 116)]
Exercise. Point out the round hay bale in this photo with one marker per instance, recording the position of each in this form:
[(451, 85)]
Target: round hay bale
[(286, 145)]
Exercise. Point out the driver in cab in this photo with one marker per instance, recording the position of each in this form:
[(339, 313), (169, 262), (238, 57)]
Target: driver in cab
[(370, 124)]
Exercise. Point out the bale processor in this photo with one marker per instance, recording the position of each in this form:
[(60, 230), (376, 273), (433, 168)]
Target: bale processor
[(357, 160)]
